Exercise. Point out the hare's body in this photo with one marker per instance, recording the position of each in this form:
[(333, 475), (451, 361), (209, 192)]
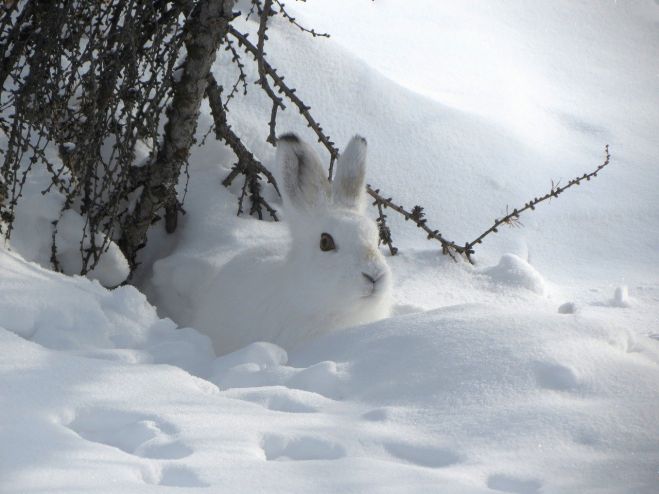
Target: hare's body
[(332, 275), (251, 310)]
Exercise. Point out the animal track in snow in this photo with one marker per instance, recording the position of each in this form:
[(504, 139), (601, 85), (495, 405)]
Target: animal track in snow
[(587, 437), (282, 399), (377, 415), (555, 376), (173, 476), (513, 485), (133, 433), (301, 448), (323, 378), (425, 456)]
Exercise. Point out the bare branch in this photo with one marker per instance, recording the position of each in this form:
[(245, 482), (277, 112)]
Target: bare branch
[(383, 229), (290, 94), (247, 164), (205, 31), (512, 218), (293, 21), (277, 103), (417, 217)]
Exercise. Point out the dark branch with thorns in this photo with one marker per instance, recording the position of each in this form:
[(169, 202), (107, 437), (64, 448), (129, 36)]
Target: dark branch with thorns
[(417, 214), (125, 73), (512, 218)]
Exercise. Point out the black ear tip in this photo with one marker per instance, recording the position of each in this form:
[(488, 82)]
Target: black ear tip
[(361, 138), (288, 137)]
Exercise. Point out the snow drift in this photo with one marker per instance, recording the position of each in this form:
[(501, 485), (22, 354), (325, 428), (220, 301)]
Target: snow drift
[(534, 371), (468, 398)]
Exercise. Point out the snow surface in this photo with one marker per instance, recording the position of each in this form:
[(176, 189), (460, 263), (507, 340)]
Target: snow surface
[(534, 371), (33, 239), (467, 398)]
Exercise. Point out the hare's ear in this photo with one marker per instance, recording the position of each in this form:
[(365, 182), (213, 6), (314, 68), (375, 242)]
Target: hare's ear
[(305, 183), (348, 184)]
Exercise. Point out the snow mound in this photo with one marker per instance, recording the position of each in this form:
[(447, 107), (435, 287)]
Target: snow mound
[(483, 383), (621, 297), (516, 272), (31, 236), (466, 398), (568, 308), (81, 317)]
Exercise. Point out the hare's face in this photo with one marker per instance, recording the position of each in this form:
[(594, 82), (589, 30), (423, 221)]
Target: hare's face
[(334, 252), (340, 259)]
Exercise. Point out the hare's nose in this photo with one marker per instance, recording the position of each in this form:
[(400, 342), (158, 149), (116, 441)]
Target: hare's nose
[(372, 279)]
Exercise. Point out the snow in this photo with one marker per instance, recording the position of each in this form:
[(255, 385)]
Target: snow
[(514, 271), (32, 235), (468, 397), (534, 371), (499, 100)]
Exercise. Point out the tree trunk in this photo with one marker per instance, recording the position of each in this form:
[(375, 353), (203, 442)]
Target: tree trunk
[(205, 29)]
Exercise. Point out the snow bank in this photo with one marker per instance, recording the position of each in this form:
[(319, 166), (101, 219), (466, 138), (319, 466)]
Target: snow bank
[(470, 107), (469, 398), (82, 318), (514, 271), (490, 378), (33, 227)]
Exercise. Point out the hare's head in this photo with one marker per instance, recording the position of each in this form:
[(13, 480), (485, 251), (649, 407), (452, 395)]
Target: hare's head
[(335, 245)]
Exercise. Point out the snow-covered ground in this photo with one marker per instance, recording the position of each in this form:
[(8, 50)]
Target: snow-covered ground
[(508, 396), (534, 371)]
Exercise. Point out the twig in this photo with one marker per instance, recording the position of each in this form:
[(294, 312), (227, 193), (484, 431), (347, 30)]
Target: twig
[(290, 94), (247, 164), (277, 102), (513, 217), (242, 77), (416, 216), (293, 21), (383, 229)]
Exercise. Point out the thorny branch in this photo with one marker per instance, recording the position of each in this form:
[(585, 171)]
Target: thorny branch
[(241, 81), (293, 21), (290, 94), (416, 215), (247, 164), (466, 250), (96, 78), (512, 218), (265, 14)]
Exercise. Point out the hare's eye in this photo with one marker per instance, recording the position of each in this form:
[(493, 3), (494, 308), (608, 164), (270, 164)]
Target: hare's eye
[(326, 242)]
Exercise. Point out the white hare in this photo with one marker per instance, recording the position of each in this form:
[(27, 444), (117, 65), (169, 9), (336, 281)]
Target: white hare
[(332, 276)]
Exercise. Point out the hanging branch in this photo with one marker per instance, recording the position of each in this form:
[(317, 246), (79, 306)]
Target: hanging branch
[(88, 80), (293, 21), (277, 103), (247, 164), (242, 77), (383, 229), (290, 94), (206, 29)]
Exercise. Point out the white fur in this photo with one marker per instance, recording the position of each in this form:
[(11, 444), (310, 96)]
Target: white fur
[(288, 297)]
